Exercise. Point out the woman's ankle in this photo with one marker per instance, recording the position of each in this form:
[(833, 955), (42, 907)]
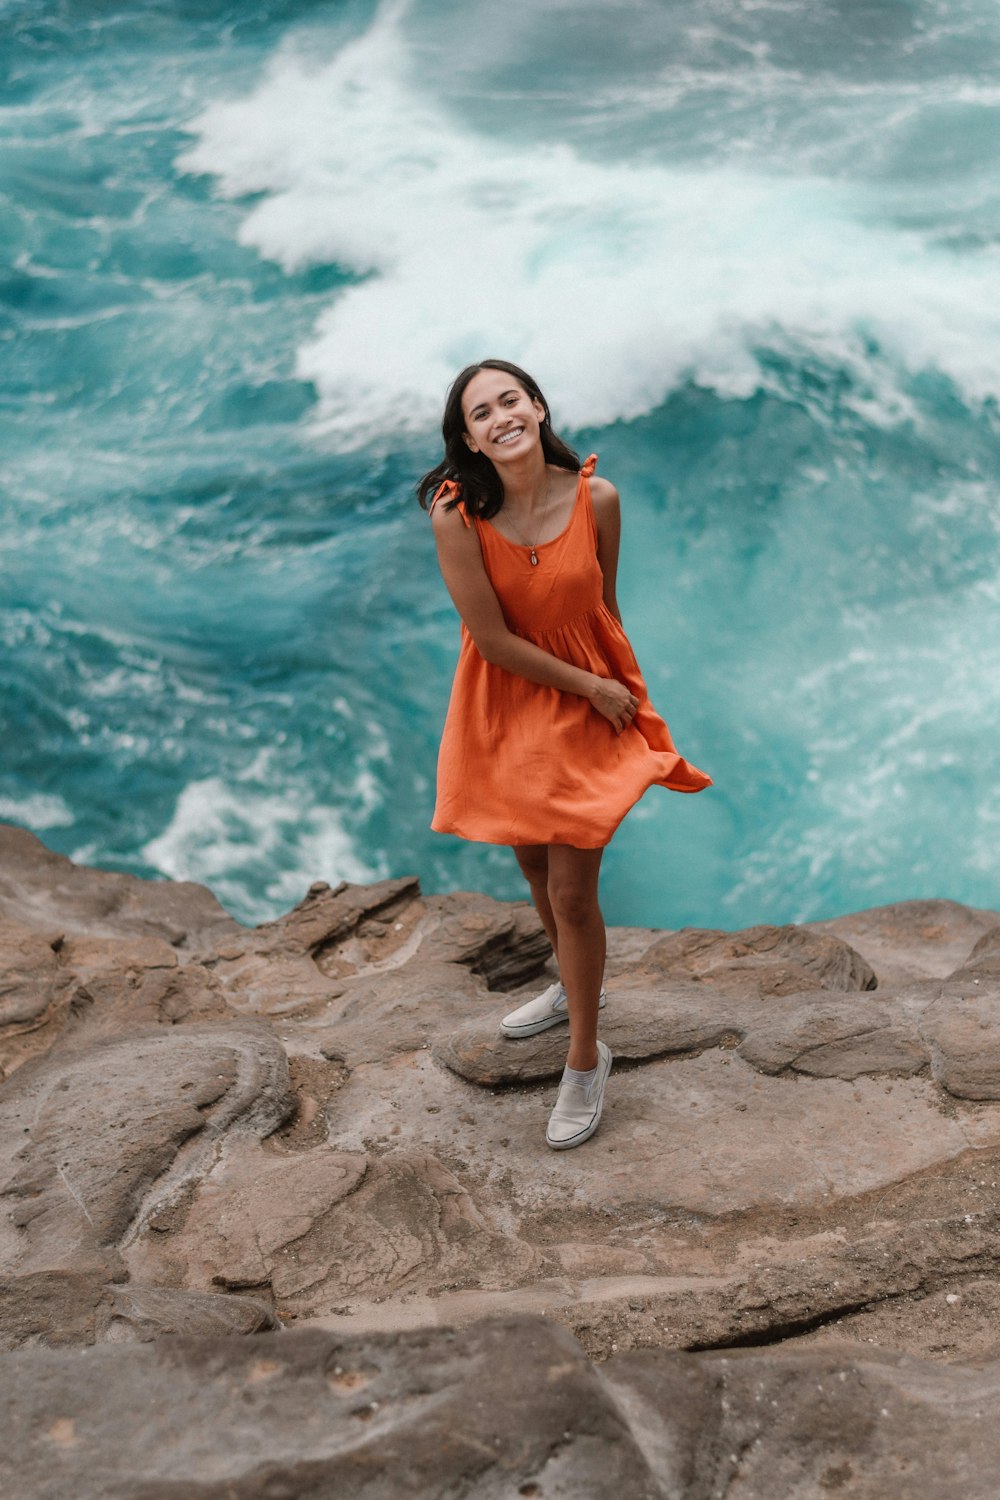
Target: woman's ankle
[(582, 1061)]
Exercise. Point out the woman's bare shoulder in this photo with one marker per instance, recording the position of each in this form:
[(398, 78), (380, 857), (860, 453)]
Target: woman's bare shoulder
[(448, 520), (603, 494)]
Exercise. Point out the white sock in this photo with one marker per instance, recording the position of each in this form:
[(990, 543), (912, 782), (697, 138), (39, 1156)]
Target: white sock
[(573, 1075)]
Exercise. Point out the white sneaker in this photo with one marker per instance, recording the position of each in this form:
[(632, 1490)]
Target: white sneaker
[(547, 1009), (578, 1110)]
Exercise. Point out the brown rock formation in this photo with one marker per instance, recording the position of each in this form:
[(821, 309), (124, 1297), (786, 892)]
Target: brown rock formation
[(209, 1129), (504, 1408)]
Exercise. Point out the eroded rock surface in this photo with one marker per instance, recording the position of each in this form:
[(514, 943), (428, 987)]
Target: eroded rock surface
[(505, 1408), (93, 1135), (209, 1129)]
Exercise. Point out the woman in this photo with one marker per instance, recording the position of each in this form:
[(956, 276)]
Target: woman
[(550, 736)]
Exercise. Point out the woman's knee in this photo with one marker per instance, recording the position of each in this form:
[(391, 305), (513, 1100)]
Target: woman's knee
[(572, 888), (575, 905), (534, 862)]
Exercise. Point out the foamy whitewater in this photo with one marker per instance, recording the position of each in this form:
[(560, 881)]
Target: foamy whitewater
[(751, 252)]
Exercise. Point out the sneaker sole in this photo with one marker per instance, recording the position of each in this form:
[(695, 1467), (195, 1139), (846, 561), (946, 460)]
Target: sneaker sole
[(531, 1028)]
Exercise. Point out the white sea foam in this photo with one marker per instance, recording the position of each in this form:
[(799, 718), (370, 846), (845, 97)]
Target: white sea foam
[(232, 838), (613, 281), (35, 811)]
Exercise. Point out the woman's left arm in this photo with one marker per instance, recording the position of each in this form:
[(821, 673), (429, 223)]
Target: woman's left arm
[(608, 515)]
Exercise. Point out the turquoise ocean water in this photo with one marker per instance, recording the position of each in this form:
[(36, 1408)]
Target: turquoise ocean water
[(750, 250)]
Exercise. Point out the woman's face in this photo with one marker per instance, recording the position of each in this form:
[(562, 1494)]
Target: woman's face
[(501, 420)]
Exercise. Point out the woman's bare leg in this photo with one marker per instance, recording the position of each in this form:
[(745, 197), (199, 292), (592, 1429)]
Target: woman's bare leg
[(534, 862), (582, 944)]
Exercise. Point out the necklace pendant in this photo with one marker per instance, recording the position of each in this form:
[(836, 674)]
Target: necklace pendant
[(534, 558)]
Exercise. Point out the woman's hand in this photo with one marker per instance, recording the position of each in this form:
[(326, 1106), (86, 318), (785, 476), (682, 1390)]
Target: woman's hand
[(614, 701)]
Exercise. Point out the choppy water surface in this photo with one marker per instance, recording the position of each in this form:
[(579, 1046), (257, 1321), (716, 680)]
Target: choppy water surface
[(752, 254)]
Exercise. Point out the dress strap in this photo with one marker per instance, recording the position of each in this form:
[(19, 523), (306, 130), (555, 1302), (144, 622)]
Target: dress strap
[(589, 466), (452, 489)]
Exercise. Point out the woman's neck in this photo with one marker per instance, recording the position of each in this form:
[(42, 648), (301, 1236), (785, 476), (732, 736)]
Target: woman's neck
[(526, 486)]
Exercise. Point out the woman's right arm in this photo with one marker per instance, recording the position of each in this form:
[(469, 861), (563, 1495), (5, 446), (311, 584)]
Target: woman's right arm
[(472, 594)]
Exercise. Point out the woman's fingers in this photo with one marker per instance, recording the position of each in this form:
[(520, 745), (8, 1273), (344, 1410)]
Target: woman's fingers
[(617, 703), (627, 713)]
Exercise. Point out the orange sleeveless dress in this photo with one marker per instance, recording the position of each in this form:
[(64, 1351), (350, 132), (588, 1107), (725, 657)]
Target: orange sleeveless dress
[(525, 764)]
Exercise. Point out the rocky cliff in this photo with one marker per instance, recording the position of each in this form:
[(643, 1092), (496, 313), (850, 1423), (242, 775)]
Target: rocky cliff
[(775, 1270)]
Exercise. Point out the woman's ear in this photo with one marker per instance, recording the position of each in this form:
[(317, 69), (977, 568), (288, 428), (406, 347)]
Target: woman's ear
[(469, 443), (540, 411)]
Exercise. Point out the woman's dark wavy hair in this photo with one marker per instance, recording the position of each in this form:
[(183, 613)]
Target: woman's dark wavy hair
[(481, 489)]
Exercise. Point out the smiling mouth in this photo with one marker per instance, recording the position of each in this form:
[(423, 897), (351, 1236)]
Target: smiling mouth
[(509, 437)]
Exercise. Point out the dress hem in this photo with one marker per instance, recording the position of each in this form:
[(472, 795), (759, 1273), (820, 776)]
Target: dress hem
[(438, 826), (508, 843)]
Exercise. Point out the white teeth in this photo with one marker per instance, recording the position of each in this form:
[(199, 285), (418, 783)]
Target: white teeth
[(509, 437)]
